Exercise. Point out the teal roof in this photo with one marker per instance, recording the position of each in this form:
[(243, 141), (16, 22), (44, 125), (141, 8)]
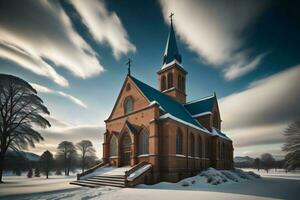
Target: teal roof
[(167, 103), (131, 127), (171, 51), (202, 105)]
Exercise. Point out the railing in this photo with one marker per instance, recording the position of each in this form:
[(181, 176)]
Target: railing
[(133, 169), (90, 170)]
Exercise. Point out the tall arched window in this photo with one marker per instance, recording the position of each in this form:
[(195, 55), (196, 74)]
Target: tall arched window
[(163, 83), (178, 141), (179, 82), (170, 80), (113, 146), (143, 142), (192, 145), (128, 105), (200, 147)]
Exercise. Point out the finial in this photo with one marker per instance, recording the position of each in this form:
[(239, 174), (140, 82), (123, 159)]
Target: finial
[(129, 65), (215, 94), (171, 16)]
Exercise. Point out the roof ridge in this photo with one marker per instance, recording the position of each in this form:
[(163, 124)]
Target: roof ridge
[(201, 99)]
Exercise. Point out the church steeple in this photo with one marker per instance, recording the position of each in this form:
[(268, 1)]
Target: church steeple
[(172, 76), (171, 50)]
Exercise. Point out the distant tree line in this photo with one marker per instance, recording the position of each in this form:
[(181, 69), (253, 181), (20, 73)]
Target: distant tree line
[(266, 162), (68, 157), (291, 147)]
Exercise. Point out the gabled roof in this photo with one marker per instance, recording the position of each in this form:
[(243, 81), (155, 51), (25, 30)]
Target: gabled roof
[(204, 105), (169, 105), (219, 133), (131, 127), (171, 51)]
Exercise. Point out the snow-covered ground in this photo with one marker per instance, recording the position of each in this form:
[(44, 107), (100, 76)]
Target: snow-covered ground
[(191, 188)]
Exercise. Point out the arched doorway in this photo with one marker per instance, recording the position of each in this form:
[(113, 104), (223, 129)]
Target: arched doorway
[(126, 149)]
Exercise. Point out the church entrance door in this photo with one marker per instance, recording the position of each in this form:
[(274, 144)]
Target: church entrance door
[(126, 149)]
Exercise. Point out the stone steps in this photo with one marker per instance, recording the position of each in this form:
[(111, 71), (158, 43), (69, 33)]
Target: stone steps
[(102, 180)]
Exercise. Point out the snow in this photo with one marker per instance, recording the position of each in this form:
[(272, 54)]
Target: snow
[(57, 188), (138, 172), (105, 170), (201, 114), (168, 115)]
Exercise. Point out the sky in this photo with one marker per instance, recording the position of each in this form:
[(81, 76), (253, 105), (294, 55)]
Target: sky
[(74, 54)]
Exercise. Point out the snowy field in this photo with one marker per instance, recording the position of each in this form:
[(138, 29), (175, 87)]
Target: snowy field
[(275, 185)]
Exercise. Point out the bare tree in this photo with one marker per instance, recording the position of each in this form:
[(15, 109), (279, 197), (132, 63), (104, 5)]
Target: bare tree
[(66, 153), (268, 161), (46, 162), (86, 151), (257, 163), (20, 109), (292, 146)]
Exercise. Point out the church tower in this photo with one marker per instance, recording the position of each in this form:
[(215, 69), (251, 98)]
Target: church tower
[(172, 76)]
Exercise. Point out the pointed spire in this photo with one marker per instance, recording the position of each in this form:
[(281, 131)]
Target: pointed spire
[(171, 51)]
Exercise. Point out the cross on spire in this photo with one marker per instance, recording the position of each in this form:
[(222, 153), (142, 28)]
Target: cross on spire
[(171, 16), (129, 65)]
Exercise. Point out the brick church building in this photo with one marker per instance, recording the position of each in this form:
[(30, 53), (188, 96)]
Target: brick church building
[(159, 127)]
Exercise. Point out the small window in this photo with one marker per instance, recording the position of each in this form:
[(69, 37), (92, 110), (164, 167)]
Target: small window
[(113, 146), (163, 83), (170, 80), (179, 142), (128, 87), (144, 142), (128, 105), (179, 82)]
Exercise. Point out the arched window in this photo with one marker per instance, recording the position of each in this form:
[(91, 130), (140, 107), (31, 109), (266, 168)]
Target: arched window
[(163, 83), (113, 146), (128, 105), (178, 141), (192, 145), (170, 80), (179, 82), (143, 142), (200, 148)]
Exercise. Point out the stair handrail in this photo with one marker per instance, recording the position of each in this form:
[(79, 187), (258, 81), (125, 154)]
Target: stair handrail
[(90, 170), (134, 168)]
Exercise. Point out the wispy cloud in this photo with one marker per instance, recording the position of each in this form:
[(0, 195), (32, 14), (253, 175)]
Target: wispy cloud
[(60, 131), (259, 114), (41, 37), (44, 89), (104, 26), (72, 98), (215, 30)]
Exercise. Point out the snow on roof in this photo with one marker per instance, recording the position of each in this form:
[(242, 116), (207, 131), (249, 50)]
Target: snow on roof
[(167, 103), (201, 106), (220, 134), (173, 109)]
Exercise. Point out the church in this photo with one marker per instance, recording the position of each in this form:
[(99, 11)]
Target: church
[(159, 127)]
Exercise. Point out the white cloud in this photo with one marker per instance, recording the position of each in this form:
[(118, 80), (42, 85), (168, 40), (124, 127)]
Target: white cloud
[(215, 30), (60, 131), (43, 89), (259, 114), (104, 26), (241, 68), (72, 98), (38, 35)]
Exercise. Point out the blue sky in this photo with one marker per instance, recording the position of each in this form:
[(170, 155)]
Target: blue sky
[(75, 53)]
